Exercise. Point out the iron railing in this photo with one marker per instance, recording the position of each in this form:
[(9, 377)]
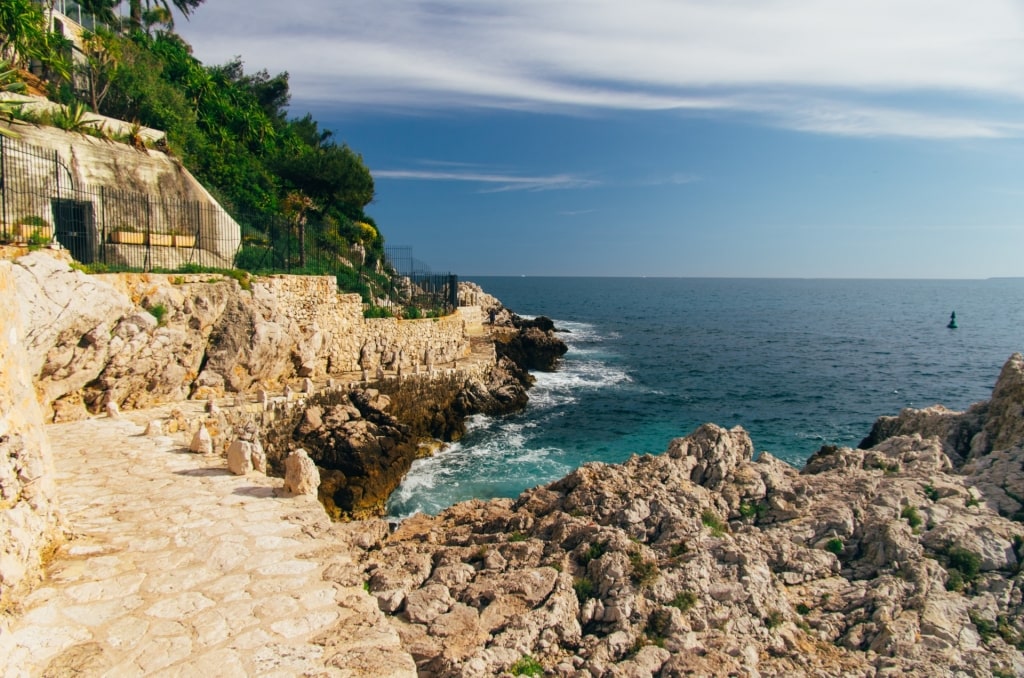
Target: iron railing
[(121, 230)]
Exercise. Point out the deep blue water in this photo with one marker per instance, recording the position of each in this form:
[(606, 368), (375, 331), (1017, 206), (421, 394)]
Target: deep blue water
[(797, 363)]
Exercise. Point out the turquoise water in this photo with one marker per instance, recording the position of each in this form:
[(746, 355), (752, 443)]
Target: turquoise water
[(797, 363)]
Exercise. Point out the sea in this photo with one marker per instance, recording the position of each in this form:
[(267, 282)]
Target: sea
[(797, 363)]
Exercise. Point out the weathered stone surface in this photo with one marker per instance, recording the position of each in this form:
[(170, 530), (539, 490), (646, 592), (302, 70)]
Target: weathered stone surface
[(177, 568), (240, 457), (893, 559), (300, 474), (29, 521), (202, 441)]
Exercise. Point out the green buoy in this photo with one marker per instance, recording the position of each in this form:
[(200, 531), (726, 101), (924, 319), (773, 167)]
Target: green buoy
[(952, 321)]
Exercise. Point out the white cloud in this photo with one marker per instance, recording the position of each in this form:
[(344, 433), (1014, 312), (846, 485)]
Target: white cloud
[(495, 182), (831, 62)]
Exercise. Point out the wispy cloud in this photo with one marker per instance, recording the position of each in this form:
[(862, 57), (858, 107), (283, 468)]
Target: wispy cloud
[(823, 67), (494, 182)]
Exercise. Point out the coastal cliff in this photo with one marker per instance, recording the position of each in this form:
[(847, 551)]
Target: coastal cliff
[(902, 558), (142, 340)]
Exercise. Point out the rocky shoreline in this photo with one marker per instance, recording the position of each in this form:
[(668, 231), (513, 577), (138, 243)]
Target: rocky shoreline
[(904, 558)]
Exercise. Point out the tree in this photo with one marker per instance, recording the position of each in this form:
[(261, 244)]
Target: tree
[(136, 15), (103, 54)]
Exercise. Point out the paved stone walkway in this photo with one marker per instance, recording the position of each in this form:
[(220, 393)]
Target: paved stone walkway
[(175, 567)]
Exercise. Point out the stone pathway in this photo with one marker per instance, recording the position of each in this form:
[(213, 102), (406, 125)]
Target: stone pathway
[(175, 567)]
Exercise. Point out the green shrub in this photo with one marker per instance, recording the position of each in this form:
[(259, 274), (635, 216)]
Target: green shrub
[(803, 608), (967, 562), (752, 510), (644, 571), (678, 549), (376, 312), (774, 619), (593, 552), (955, 581), (584, 589), (158, 311), (713, 522), (684, 600), (911, 515), (526, 666), (835, 545), (931, 493), (517, 536)]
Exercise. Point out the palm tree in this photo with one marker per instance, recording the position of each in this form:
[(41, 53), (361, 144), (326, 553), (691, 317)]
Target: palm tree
[(136, 14)]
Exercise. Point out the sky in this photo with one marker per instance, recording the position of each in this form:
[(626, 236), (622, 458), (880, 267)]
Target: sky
[(736, 138)]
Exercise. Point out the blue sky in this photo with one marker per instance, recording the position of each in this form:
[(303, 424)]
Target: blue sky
[(764, 138)]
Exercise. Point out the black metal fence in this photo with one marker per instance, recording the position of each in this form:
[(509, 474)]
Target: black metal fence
[(123, 230)]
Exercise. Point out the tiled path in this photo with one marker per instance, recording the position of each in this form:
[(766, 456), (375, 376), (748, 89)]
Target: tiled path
[(177, 568)]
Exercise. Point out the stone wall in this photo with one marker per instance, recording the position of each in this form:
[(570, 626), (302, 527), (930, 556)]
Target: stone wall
[(28, 518), (144, 339)]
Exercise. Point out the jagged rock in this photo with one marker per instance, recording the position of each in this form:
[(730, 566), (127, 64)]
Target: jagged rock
[(301, 476), (113, 411), (154, 428), (240, 457), (258, 456), (1004, 420), (202, 441), (533, 346), (868, 562)]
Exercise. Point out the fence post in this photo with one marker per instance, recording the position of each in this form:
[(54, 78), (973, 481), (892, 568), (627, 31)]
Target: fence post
[(3, 185)]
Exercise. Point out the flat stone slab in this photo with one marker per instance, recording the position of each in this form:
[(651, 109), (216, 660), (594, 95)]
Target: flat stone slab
[(176, 567)]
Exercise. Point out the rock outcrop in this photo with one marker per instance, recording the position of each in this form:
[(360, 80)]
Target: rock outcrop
[(146, 339), (29, 521), (902, 558)]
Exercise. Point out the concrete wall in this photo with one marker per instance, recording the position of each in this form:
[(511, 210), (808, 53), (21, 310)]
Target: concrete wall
[(28, 518), (93, 163)]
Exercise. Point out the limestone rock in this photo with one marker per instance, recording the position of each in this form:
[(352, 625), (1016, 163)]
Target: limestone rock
[(202, 441), (155, 427), (240, 457), (868, 562), (301, 476)]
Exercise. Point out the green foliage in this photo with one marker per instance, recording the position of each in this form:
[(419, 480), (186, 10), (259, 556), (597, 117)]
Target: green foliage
[(774, 619), (803, 608), (967, 562), (594, 551), (643, 572), (376, 312), (678, 549), (659, 625), (912, 516), (931, 492), (517, 536), (986, 628), (413, 313), (584, 589), (25, 36), (684, 600), (158, 311), (711, 520), (526, 666), (752, 510), (73, 118), (834, 545), (37, 240), (955, 581), (972, 501)]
